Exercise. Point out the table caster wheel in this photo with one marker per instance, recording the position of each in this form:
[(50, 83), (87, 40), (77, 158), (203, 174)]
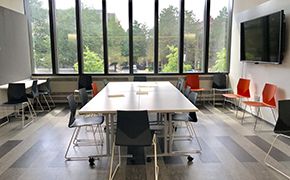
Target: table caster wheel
[(91, 161), (189, 158)]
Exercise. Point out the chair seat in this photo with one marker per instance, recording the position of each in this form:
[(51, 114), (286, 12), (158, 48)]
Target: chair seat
[(88, 91), (231, 96), (87, 121), (144, 139), (222, 90), (30, 96), (44, 92), (199, 89), (181, 117), (257, 104)]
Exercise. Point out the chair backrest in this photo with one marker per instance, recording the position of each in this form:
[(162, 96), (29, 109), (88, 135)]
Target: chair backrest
[(140, 78), (95, 89), (133, 128), (180, 84), (243, 88), (34, 89), (84, 98), (73, 109), (192, 98), (192, 80), (85, 81), (187, 91), (105, 82), (283, 123), (269, 93), (16, 93), (219, 81), (48, 88)]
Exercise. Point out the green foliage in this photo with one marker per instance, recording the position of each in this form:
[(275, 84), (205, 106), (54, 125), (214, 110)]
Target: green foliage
[(221, 62), (92, 62), (172, 65)]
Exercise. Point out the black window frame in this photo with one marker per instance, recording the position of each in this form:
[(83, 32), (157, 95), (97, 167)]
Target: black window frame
[(53, 41)]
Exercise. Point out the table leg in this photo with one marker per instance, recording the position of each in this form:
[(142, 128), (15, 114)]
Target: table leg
[(165, 133), (170, 133), (108, 142)]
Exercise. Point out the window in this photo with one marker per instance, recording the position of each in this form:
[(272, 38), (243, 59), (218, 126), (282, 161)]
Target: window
[(143, 36), (193, 36), (185, 41), (218, 36), (92, 36), (118, 36), (66, 37), (40, 32), (168, 36)]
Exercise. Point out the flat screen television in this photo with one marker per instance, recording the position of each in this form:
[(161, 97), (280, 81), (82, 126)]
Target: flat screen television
[(262, 39)]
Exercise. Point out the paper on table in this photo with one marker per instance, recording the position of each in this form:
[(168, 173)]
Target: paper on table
[(115, 95), (142, 92)]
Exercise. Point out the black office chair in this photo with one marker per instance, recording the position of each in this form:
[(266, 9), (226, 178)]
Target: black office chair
[(46, 91), (84, 98), (81, 121), (133, 130), (85, 81), (34, 95), (187, 91), (140, 78), (219, 86), (282, 128), (17, 98), (188, 118)]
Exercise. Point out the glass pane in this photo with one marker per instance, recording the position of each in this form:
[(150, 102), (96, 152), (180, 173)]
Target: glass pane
[(92, 34), (40, 36), (168, 36), (118, 39), (193, 36), (66, 37), (143, 36), (218, 37)]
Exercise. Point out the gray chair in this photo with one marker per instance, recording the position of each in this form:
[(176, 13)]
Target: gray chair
[(46, 91), (78, 123), (34, 95), (187, 91), (219, 86), (17, 98), (180, 84), (282, 128), (189, 119), (84, 98), (138, 134)]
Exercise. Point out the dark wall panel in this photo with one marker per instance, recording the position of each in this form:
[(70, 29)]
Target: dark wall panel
[(14, 47)]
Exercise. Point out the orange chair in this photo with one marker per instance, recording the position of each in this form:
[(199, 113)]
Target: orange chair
[(243, 91), (269, 101), (192, 80), (95, 89)]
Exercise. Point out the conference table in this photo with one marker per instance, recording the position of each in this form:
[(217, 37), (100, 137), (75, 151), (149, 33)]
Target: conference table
[(27, 82), (156, 97)]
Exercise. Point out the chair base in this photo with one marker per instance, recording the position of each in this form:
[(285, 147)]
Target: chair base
[(112, 172), (268, 154)]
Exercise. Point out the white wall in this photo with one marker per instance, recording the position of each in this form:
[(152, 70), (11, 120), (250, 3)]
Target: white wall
[(261, 73), (15, 5)]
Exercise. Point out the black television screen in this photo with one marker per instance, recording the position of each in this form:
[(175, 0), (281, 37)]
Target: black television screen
[(262, 39)]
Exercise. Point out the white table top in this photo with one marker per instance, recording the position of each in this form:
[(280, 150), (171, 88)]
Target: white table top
[(27, 82), (159, 96)]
